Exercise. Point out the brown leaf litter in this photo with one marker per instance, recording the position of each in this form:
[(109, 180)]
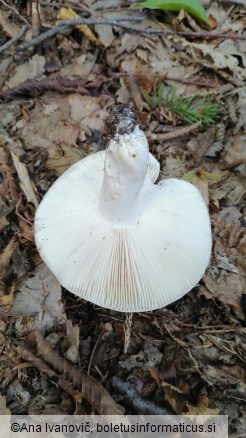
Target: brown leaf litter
[(85, 387), (189, 357)]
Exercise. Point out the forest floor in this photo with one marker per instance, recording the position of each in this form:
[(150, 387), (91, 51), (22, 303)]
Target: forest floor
[(59, 353)]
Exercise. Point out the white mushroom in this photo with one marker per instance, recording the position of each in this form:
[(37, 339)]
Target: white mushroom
[(113, 237)]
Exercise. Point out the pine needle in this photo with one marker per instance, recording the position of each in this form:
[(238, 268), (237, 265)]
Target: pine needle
[(190, 109)]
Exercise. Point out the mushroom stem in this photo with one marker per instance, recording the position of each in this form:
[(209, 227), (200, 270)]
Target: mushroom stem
[(126, 163)]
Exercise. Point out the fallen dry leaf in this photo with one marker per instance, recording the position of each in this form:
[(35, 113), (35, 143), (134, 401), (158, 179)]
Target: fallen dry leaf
[(60, 158), (88, 388), (8, 188), (60, 98), (222, 287), (5, 258), (38, 299), (202, 408), (70, 118), (24, 178), (174, 397), (8, 26), (209, 55), (32, 69), (199, 145), (235, 152), (69, 14), (72, 341), (105, 34)]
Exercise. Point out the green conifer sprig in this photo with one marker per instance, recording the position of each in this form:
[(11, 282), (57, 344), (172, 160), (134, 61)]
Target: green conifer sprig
[(190, 109)]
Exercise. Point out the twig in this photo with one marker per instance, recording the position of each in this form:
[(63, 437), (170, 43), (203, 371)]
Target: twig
[(76, 6), (204, 35), (226, 16), (179, 341), (142, 405), (79, 7), (93, 352), (60, 29), (41, 38), (177, 132), (113, 22), (14, 10), (197, 367), (164, 77), (127, 330), (14, 39), (117, 22)]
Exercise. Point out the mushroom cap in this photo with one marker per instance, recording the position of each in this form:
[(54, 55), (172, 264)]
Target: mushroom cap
[(140, 267)]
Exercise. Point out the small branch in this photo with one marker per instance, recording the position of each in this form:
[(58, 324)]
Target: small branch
[(164, 77), (14, 10), (62, 28), (94, 21), (132, 398), (204, 35), (13, 40), (82, 8), (127, 330), (177, 132), (41, 38), (117, 22)]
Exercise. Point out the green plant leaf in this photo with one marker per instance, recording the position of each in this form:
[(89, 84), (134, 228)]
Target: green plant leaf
[(193, 7)]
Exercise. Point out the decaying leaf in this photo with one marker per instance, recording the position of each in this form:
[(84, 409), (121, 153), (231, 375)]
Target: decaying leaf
[(8, 187), (24, 178), (211, 56), (44, 368), (174, 397), (235, 151), (136, 360), (226, 288), (8, 26), (199, 145), (105, 33), (5, 258), (200, 179), (202, 408), (30, 87), (61, 158), (37, 302), (32, 69), (7, 300), (70, 119), (87, 387), (190, 356)]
